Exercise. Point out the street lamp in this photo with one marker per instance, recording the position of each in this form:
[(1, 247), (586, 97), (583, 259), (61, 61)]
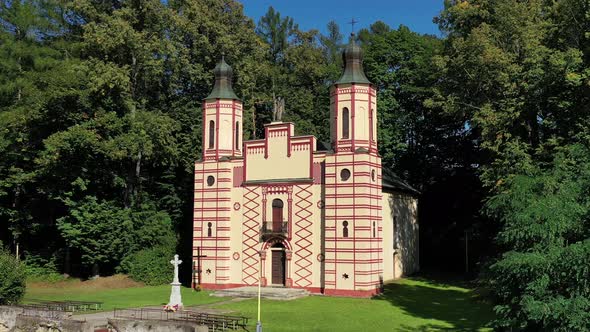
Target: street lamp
[(259, 324)]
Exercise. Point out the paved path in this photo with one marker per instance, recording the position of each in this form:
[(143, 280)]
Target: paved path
[(275, 293), (101, 318)]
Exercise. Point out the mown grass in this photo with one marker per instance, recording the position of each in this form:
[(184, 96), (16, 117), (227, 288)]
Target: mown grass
[(133, 297), (407, 305), (413, 304)]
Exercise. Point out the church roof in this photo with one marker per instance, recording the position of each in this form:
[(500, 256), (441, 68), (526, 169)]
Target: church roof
[(391, 181), (223, 82), (353, 64)]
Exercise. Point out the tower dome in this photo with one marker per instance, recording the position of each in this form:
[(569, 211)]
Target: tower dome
[(352, 57), (223, 82)]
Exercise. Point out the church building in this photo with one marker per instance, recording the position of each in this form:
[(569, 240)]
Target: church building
[(295, 212)]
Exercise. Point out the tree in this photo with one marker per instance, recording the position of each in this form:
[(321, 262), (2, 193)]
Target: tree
[(504, 72), (276, 31), (105, 233), (332, 44), (12, 278), (541, 280), (518, 73)]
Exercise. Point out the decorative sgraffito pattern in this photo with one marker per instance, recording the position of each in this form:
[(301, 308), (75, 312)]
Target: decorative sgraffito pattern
[(250, 237), (303, 236)]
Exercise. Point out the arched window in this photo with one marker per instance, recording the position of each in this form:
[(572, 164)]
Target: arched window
[(345, 122), (372, 121), (345, 228), (277, 215), (237, 135), (209, 229), (211, 134)]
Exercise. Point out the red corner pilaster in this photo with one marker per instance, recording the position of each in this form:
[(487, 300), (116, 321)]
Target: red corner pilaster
[(352, 114)]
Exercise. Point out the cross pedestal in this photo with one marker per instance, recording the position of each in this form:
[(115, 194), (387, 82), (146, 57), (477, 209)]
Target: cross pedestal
[(175, 298)]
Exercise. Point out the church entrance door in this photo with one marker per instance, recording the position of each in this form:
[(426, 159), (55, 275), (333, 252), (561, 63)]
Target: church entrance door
[(278, 267)]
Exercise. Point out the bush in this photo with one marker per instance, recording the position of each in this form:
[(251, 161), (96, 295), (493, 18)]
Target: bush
[(150, 266), (38, 268), (12, 278)]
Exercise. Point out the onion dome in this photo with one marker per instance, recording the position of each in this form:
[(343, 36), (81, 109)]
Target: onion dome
[(223, 77), (352, 57)]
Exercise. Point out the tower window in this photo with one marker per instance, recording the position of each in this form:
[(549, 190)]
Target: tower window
[(374, 230), (373, 175), (211, 134), (345, 228), (345, 122), (237, 135), (209, 229), (345, 174)]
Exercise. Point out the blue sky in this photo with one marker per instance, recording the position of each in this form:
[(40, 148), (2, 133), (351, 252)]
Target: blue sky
[(315, 14)]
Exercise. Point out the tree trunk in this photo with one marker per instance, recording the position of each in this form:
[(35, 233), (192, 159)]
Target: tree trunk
[(68, 262), (95, 271)]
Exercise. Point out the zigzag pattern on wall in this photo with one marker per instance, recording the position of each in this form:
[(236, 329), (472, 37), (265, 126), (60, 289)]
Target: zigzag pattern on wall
[(250, 237), (303, 236)]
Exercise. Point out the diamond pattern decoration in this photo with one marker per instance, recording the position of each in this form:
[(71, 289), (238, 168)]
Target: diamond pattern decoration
[(250, 235), (302, 236)]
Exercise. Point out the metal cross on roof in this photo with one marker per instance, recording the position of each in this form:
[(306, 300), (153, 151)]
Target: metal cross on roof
[(352, 23)]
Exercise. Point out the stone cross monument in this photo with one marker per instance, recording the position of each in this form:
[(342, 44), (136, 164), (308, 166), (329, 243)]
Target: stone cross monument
[(175, 298)]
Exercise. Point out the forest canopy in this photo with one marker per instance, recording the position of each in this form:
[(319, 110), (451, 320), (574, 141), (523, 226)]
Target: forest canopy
[(100, 124)]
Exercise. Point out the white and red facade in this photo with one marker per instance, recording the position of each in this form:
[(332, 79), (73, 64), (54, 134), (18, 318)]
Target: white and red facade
[(282, 211)]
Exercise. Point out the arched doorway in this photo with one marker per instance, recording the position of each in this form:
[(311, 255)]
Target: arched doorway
[(278, 264)]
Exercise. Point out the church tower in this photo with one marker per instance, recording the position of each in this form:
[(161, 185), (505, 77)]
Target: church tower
[(353, 102), (214, 175), (353, 196), (222, 117)]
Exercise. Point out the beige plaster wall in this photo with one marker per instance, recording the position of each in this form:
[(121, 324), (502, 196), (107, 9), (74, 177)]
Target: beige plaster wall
[(277, 163), (406, 258)]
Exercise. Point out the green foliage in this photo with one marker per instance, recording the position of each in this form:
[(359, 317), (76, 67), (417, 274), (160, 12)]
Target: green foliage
[(12, 278), (518, 74), (150, 266), (40, 269), (542, 281), (104, 233), (276, 31)]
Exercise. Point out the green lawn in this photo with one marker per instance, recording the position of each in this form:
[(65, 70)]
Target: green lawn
[(413, 304), (408, 305), (119, 298)]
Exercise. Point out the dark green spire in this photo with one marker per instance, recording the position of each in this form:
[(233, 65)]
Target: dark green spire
[(353, 64), (223, 76)]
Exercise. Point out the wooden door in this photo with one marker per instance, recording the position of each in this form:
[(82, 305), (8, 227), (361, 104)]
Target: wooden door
[(278, 267)]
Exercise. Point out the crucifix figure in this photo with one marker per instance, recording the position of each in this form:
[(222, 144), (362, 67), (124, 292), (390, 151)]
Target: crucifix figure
[(198, 267)]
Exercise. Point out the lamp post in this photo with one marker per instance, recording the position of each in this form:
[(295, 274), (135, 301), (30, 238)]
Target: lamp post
[(259, 324)]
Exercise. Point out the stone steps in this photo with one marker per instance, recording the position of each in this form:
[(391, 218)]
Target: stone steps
[(275, 293)]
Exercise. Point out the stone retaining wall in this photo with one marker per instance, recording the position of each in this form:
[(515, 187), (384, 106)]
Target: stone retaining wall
[(124, 325), (40, 324), (13, 320)]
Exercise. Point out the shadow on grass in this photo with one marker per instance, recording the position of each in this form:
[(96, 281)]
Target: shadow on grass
[(457, 308)]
